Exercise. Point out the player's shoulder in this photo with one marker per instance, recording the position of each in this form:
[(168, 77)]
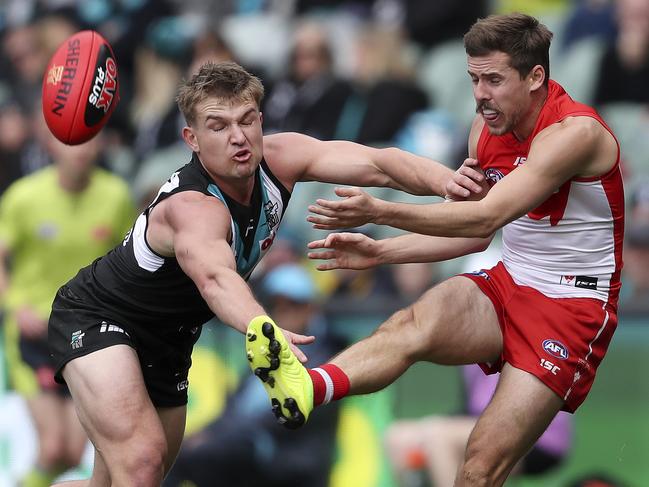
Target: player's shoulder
[(583, 129)]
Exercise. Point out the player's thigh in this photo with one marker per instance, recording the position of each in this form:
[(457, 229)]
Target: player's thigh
[(113, 404), (458, 323), (519, 412), (173, 422)]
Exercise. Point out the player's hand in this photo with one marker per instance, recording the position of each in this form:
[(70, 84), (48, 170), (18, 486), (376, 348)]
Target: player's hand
[(355, 209), (30, 324), (295, 339), (468, 182), (345, 251)]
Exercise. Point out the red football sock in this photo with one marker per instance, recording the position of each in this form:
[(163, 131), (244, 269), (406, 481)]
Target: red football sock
[(330, 383)]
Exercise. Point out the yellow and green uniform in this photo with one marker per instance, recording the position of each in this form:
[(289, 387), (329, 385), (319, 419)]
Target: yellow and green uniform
[(51, 233)]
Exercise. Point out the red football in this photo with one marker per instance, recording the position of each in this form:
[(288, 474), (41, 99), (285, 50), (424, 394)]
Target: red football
[(80, 87)]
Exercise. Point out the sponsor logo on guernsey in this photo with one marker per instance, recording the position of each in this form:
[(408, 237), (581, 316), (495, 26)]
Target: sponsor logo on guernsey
[(546, 364), (583, 282), (77, 340), (520, 160), (494, 175), (555, 348)]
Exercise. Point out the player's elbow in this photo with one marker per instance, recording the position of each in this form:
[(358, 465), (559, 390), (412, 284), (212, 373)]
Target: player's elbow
[(480, 244), (488, 221)]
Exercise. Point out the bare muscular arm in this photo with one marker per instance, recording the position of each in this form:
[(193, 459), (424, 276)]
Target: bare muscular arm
[(578, 146), (295, 157)]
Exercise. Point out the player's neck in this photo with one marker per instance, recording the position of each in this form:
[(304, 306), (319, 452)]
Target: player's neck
[(528, 121), (237, 189)]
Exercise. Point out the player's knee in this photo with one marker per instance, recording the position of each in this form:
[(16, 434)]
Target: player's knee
[(144, 463), (481, 467)]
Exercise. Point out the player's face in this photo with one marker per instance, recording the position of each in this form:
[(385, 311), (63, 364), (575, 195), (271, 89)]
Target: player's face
[(502, 97), (228, 137)]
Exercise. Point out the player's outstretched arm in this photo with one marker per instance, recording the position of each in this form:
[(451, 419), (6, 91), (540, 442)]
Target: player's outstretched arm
[(577, 147), (358, 251), (295, 157), (199, 228)]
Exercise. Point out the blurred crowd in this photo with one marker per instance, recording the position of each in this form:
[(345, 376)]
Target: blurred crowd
[(379, 72)]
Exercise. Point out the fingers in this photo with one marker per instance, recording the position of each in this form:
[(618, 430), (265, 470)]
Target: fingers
[(329, 254), (455, 191), (302, 339), (467, 183), (323, 209), (294, 340), (317, 244), (347, 191), (299, 353)]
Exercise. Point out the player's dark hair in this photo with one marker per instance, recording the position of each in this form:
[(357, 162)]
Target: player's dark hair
[(523, 38), (226, 81)]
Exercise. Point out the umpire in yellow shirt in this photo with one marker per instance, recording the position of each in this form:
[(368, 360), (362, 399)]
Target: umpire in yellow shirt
[(53, 222)]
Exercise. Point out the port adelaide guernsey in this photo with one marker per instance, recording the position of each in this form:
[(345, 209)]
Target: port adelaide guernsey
[(135, 286)]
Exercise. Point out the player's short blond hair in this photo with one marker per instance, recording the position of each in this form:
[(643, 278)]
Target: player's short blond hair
[(226, 81)]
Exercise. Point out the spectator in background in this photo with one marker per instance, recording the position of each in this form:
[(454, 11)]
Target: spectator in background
[(310, 99), (589, 18), (51, 223), (623, 74), (14, 134), (635, 292), (430, 23), (160, 63), (441, 440), (245, 447), (388, 91)]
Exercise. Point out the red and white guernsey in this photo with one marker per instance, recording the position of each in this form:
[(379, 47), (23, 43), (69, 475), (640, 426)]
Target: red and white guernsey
[(571, 245)]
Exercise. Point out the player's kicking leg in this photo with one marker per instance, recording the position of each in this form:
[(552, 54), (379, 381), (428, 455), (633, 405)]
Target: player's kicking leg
[(453, 323)]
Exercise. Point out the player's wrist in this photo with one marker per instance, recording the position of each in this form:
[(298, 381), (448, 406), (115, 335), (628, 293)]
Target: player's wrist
[(261, 319)]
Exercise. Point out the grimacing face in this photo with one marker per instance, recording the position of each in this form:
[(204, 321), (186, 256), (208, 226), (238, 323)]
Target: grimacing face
[(228, 137), (502, 97)]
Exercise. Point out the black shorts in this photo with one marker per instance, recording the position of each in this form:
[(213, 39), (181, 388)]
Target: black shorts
[(77, 329)]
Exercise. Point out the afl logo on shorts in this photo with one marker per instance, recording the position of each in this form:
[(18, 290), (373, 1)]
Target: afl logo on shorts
[(494, 175), (555, 348)]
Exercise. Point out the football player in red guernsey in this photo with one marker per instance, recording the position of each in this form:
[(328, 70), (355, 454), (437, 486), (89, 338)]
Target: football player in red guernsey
[(543, 317)]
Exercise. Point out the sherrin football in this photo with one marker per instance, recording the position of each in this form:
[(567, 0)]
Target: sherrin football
[(80, 87)]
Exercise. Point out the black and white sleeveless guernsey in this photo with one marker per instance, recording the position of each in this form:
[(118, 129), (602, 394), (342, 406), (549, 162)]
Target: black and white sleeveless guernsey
[(134, 285)]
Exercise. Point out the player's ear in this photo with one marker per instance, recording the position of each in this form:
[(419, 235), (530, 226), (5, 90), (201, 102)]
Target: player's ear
[(190, 139), (537, 77), (261, 118)]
